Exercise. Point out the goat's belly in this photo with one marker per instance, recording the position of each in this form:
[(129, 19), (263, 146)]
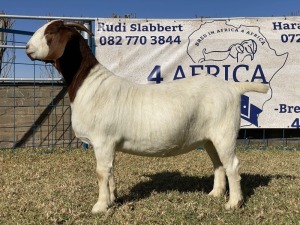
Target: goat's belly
[(152, 150)]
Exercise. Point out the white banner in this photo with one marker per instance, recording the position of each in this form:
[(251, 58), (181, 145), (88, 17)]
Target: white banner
[(265, 50)]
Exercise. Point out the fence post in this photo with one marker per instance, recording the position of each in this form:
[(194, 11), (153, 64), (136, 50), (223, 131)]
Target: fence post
[(85, 35)]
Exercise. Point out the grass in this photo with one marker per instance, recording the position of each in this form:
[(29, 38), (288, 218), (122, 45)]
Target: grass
[(59, 187)]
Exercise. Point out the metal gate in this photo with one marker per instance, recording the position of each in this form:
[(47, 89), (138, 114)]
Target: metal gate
[(34, 107)]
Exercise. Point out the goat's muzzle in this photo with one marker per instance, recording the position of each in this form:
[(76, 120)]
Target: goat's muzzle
[(29, 53)]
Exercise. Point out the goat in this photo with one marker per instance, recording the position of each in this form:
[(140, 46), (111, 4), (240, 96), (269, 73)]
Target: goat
[(114, 114)]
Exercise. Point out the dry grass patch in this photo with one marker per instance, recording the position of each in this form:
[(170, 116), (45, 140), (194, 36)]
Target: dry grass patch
[(60, 187)]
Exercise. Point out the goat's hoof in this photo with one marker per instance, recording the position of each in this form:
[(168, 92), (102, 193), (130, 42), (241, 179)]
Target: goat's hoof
[(217, 192), (234, 204), (99, 208)]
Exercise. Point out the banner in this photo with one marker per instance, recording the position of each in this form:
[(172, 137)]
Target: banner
[(265, 50)]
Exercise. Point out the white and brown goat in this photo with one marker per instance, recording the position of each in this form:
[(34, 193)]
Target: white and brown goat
[(114, 114)]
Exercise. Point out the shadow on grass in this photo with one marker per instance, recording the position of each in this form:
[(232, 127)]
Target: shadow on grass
[(174, 181), (252, 181)]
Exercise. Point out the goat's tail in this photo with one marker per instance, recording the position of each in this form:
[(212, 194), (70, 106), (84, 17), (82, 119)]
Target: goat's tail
[(244, 87)]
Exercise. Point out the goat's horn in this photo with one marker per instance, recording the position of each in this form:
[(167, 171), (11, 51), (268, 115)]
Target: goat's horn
[(78, 26)]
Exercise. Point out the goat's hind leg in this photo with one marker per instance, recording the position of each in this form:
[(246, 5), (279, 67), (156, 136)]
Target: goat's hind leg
[(219, 187), (226, 152)]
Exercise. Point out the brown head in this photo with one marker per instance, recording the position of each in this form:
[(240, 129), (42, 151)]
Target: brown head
[(59, 43)]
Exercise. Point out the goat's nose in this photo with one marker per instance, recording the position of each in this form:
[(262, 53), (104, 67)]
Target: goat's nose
[(27, 46)]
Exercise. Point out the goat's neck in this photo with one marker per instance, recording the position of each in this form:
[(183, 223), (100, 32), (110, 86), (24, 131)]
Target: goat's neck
[(75, 65)]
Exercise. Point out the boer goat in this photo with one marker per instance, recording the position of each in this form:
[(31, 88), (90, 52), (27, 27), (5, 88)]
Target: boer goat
[(114, 114)]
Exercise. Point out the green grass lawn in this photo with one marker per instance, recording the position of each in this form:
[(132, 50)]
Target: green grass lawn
[(60, 187)]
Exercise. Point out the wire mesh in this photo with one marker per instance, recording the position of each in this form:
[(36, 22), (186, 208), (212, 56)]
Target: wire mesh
[(34, 106)]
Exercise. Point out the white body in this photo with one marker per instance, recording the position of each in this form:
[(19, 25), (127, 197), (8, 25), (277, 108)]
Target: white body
[(154, 120), (114, 114)]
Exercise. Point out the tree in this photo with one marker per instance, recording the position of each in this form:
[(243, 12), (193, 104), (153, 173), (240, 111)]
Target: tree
[(6, 58), (297, 13), (129, 15)]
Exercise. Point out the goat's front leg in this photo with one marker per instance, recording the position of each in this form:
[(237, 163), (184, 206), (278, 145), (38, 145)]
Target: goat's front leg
[(104, 170)]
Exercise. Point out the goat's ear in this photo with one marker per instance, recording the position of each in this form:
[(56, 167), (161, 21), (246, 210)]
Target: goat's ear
[(57, 43)]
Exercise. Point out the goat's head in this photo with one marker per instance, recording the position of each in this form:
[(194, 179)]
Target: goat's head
[(59, 43), (49, 41)]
